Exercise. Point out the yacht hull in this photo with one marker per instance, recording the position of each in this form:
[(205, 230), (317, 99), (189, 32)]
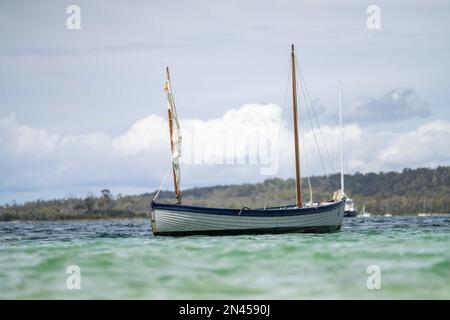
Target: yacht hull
[(350, 213)]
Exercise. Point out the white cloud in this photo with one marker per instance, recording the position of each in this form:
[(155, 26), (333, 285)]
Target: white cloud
[(229, 149), (396, 105), (22, 140), (145, 136), (427, 145)]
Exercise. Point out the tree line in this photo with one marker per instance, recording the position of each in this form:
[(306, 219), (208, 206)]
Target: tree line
[(411, 191)]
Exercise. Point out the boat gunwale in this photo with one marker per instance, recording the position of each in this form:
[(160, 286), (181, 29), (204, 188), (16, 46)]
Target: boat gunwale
[(280, 211)]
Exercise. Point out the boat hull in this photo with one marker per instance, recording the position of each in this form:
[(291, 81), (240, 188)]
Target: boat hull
[(350, 213), (180, 220)]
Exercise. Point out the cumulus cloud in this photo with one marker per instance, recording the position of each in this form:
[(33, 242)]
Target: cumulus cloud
[(36, 159), (428, 144), (246, 144), (396, 105)]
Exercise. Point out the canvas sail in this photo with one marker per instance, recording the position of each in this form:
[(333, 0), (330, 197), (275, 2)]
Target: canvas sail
[(175, 136)]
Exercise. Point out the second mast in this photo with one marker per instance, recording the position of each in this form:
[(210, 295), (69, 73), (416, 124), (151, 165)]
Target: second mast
[(296, 140)]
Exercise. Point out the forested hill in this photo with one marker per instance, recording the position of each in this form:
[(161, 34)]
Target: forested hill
[(411, 191)]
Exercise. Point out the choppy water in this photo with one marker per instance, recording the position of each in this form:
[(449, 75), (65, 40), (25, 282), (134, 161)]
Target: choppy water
[(121, 259)]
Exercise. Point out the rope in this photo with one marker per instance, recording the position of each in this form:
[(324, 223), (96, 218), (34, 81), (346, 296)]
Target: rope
[(243, 208), (280, 129), (311, 123), (305, 87), (306, 157), (315, 116), (162, 183), (284, 106)]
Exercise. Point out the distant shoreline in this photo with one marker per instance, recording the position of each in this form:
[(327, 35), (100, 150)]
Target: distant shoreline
[(410, 192), (73, 217), (146, 217), (74, 220)]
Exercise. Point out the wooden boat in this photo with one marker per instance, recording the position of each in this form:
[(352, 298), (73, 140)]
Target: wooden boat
[(175, 219), (365, 214), (178, 219)]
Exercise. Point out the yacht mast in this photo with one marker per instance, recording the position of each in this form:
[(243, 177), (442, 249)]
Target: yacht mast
[(341, 138), (296, 141)]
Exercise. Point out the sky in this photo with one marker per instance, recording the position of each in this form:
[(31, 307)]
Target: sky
[(84, 109)]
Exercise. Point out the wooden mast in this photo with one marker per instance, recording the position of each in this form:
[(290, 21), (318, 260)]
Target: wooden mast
[(175, 184), (296, 141)]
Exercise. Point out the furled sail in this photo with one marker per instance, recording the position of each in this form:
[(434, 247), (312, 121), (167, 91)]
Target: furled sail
[(175, 136)]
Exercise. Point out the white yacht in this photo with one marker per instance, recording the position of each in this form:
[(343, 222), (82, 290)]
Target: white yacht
[(350, 209)]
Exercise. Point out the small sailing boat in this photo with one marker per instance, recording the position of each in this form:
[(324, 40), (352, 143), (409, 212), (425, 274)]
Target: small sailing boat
[(387, 214), (365, 214), (178, 219), (425, 212), (350, 210)]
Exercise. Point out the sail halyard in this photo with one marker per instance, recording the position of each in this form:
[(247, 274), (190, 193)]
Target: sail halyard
[(296, 140), (175, 137)]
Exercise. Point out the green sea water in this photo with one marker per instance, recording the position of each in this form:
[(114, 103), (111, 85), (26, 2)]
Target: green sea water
[(121, 259)]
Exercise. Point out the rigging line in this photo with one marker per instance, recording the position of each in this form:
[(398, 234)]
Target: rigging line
[(284, 108), (313, 131), (282, 117), (306, 158), (316, 118), (163, 181), (317, 147), (328, 184), (304, 87)]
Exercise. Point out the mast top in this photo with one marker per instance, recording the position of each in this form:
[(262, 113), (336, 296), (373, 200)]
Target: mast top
[(292, 48)]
